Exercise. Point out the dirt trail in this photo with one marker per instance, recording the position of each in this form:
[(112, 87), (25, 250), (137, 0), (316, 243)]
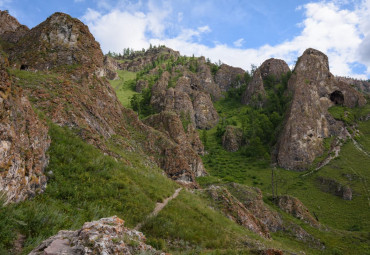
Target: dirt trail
[(159, 207)]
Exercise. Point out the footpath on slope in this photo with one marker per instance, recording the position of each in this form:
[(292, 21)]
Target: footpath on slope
[(159, 208)]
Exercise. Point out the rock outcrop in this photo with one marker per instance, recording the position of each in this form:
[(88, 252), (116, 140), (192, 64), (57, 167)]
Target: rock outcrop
[(10, 29), (189, 98), (110, 68), (23, 143), (361, 85), (57, 42), (308, 122), (182, 162), (331, 186), (251, 198), (139, 60), (105, 236), (232, 138), (79, 99), (255, 92), (228, 77), (297, 209), (236, 211)]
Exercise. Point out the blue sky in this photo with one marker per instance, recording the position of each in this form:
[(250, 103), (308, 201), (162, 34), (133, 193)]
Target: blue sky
[(237, 32)]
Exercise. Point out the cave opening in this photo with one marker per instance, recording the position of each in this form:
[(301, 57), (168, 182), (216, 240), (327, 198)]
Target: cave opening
[(337, 97), (24, 67)]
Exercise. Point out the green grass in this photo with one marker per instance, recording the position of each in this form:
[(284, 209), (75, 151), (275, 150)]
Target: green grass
[(124, 86), (84, 185), (189, 222)]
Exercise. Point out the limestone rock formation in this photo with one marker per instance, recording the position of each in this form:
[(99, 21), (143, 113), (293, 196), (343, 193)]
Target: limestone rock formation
[(59, 41), (105, 236), (205, 114), (308, 122), (81, 100), (255, 92), (232, 138), (333, 187), (229, 77), (236, 211), (182, 162), (361, 85), (23, 143), (110, 68), (296, 208), (189, 98), (139, 60), (10, 29)]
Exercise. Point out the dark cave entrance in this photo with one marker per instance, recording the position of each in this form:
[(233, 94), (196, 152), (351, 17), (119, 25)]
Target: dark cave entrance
[(24, 67), (337, 97)]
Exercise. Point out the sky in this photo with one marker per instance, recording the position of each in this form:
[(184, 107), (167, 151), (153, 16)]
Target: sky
[(236, 32)]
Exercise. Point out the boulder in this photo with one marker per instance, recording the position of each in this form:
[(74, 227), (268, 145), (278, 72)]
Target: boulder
[(23, 143), (307, 121), (228, 77), (105, 236), (232, 138)]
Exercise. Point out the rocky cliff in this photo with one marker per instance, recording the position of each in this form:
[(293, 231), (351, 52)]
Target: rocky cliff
[(308, 122), (23, 143)]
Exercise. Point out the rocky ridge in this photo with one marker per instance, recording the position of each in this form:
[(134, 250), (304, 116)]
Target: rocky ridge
[(75, 97)]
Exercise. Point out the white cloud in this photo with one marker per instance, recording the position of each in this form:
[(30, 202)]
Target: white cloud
[(239, 43), (344, 35)]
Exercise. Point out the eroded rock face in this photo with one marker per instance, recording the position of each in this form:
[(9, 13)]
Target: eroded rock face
[(228, 77), (255, 93), (333, 187), (296, 208), (110, 68), (105, 236), (23, 143), (188, 99), (308, 121), (232, 138), (59, 41), (10, 29), (236, 211), (205, 114), (182, 162)]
